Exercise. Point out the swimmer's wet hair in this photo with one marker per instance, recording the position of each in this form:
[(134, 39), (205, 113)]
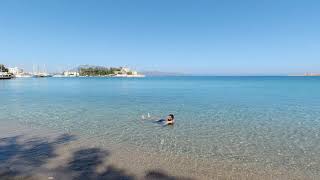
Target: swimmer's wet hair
[(172, 116)]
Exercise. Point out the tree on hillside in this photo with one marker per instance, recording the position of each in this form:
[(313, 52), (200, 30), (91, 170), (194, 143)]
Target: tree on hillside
[(3, 68)]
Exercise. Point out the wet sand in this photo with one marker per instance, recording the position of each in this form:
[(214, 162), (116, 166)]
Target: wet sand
[(39, 153)]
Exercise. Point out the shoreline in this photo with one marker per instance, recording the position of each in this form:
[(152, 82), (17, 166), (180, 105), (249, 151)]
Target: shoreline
[(107, 76), (58, 149)]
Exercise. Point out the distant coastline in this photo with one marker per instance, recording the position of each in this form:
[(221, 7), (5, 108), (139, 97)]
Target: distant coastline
[(307, 74), (311, 74), (81, 71), (100, 71)]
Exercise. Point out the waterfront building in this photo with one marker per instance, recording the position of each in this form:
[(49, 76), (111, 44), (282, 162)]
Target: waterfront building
[(15, 71), (71, 73)]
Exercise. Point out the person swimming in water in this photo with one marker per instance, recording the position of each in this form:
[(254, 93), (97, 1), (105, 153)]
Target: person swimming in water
[(168, 121)]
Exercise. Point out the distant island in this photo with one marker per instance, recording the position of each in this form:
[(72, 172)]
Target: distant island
[(311, 74), (94, 71), (306, 74)]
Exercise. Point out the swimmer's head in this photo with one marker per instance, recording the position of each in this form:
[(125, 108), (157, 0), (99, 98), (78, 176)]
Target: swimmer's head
[(170, 117)]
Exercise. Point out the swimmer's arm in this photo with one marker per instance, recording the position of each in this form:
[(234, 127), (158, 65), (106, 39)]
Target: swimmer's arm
[(160, 120), (165, 124)]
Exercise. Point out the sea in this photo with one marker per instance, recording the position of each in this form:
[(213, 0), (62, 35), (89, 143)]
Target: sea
[(255, 124)]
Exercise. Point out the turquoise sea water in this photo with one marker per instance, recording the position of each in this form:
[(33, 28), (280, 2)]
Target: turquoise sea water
[(270, 121)]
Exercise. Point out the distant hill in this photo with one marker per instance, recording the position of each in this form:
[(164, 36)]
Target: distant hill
[(86, 66), (159, 73), (147, 73)]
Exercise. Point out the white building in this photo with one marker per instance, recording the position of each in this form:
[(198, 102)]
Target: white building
[(125, 70), (71, 73), (15, 71)]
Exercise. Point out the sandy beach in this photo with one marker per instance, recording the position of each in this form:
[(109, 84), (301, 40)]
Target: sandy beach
[(39, 153)]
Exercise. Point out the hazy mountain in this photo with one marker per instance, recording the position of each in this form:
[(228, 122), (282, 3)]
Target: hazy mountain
[(159, 73)]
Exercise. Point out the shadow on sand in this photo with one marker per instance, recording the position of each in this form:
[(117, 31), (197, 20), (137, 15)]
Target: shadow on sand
[(22, 158)]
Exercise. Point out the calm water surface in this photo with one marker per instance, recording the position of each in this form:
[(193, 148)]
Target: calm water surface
[(270, 121)]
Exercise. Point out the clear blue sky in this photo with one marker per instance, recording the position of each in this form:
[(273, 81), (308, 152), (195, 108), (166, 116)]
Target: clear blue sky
[(202, 37)]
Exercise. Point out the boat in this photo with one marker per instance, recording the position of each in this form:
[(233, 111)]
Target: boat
[(5, 75), (23, 75), (39, 74), (42, 75), (58, 76)]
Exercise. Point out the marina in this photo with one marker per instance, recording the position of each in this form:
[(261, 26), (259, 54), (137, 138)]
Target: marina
[(120, 72)]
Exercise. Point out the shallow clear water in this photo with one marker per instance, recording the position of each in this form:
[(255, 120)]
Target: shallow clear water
[(269, 121)]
